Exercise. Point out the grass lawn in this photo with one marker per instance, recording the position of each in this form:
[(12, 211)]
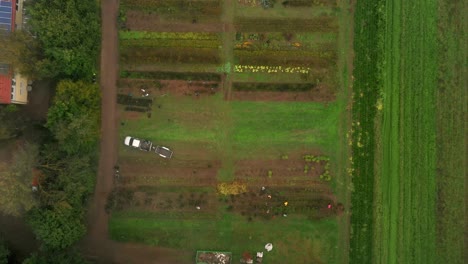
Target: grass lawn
[(314, 241), (402, 209), (247, 127), (406, 227)]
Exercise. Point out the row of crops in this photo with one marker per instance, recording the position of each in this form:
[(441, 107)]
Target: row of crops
[(367, 66)]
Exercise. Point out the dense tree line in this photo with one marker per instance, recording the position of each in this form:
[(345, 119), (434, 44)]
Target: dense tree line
[(60, 43)]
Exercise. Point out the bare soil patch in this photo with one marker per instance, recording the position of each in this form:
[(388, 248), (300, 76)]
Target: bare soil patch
[(154, 88), (142, 21), (174, 172), (181, 202)]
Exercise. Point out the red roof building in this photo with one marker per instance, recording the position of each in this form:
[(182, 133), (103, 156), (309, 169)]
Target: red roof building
[(5, 88), (7, 24)]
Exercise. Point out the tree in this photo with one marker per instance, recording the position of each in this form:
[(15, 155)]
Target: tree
[(58, 227), (15, 181), (68, 33), (22, 51), (74, 116), (11, 123)]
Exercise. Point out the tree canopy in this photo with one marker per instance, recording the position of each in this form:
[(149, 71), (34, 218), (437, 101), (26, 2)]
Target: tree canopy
[(68, 33), (74, 116), (58, 227), (15, 181)]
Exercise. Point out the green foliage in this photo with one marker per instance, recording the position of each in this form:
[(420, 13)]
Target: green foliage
[(20, 50), (56, 257), (230, 231), (68, 35), (188, 76), (366, 85), (312, 158), (68, 161), (15, 181), (74, 116), (4, 252), (58, 227), (12, 123)]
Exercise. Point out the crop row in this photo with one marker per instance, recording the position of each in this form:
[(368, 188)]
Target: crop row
[(318, 24), (168, 35), (312, 59), (278, 87), (365, 94), (151, 55), (183, 43), (207, 7), (270, 69), (158, 75)]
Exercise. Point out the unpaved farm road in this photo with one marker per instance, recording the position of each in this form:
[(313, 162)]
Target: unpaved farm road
[(96, 245)]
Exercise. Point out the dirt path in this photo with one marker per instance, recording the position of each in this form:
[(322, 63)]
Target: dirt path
[(97, 226), (97, 246)]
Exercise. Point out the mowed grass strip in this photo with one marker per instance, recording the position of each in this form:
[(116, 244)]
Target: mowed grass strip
[(285, 125), (407, 223), (314, 242)]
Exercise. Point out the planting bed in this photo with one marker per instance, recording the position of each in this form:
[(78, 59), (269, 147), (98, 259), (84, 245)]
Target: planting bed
[(175, 10), (169, 87)]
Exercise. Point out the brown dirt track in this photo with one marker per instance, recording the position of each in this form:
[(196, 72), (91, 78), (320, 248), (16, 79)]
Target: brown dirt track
[(97, 246)]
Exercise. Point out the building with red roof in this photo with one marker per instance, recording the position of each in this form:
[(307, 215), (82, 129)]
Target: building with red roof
[(13, 87)]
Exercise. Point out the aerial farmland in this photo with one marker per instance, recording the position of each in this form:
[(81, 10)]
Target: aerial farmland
[(252, 100), (233, 131)]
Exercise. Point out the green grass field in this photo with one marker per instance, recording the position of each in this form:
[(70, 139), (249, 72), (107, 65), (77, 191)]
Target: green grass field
[(312, 240), (399, 192), (406, 227), (275, 126)]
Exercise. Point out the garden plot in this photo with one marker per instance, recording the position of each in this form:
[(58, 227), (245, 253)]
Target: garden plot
[(165, 47), (307, 58), (183, 202), (224, 91), (198, 11), (270, 203)]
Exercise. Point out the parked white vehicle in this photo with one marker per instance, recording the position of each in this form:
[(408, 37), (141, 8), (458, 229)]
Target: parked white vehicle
[(147, 145), (141, 144)]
